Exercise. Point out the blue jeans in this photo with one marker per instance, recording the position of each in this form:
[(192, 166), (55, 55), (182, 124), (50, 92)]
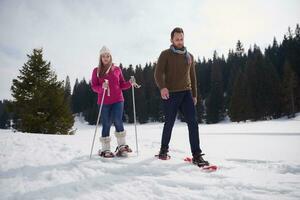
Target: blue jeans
[(112, 113), (182, 101)]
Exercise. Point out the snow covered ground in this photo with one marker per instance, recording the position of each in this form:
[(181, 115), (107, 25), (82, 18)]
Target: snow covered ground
[(257, 160)]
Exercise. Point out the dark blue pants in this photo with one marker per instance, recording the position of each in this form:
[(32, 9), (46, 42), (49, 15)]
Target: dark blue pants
[(182, 101), (112, 113)]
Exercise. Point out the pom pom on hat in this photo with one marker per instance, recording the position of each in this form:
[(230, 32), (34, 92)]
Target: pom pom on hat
[(104, 50)]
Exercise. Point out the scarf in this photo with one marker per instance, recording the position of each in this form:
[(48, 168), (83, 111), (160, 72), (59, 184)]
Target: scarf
[(182, 51)]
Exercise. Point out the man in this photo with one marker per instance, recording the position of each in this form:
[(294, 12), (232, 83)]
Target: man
[(176, 78)]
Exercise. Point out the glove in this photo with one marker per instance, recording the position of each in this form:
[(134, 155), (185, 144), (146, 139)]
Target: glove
[(105, 85), (134, 84)]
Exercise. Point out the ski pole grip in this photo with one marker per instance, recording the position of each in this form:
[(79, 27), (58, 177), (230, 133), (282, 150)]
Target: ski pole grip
[(108, 91), (134, 82)]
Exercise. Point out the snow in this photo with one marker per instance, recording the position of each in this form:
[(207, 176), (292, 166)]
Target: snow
[(257, 160)]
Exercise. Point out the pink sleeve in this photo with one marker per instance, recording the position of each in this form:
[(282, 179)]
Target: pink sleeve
[(124, 84), (96, 84)]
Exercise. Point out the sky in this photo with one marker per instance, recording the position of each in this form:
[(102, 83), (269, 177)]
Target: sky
[(72, 33)]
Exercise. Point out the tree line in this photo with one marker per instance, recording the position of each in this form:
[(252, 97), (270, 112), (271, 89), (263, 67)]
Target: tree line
[(248, 85), (251, 84)]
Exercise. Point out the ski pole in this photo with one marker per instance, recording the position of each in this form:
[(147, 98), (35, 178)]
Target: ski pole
[(98, 118), (134, 112)]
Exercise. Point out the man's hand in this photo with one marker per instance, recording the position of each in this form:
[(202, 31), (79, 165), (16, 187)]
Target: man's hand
[(164, 93), (195, 100)]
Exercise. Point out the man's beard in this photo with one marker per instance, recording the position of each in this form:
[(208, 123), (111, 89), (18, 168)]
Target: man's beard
[(178, 47)]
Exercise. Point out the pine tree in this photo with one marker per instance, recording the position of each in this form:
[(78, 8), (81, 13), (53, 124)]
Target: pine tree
[(128, 107), (91, 108), (200, 105), (239, 50), (263, 85), (39, 101), (289, 89), (275, 55), (215, 101), (240, 102), (140, 98), (67, 88), (82, 96), (4, 115), (235, 64), (75, 99)]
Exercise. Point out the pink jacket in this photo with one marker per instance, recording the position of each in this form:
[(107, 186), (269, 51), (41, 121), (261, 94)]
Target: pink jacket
[(116, 84)]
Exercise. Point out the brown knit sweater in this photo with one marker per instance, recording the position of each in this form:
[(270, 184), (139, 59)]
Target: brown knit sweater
[(173, 72)]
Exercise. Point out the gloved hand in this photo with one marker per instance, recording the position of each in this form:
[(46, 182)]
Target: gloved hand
[(133, 83), (105, 85)]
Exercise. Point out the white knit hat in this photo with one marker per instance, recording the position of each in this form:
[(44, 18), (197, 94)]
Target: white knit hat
[(104, 50)]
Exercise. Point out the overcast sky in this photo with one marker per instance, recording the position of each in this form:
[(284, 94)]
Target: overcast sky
[(72, 32)]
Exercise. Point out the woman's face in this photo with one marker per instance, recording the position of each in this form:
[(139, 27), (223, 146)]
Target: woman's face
[(105, 58)]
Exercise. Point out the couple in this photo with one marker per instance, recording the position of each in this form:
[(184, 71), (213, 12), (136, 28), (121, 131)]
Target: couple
[(175, 77)]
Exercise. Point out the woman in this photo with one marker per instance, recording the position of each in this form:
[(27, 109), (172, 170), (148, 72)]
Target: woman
[(113, 105)]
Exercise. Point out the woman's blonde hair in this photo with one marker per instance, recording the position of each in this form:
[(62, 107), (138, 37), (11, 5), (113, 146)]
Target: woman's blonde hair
[(101, 68)]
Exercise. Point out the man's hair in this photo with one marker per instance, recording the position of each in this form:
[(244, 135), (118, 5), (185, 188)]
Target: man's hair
[(176, 30)]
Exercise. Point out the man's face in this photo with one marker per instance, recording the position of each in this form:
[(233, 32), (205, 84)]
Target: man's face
[(178, 40)]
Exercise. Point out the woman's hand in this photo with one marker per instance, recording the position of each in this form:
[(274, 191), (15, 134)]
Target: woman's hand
[(105, 85), (134, 84)]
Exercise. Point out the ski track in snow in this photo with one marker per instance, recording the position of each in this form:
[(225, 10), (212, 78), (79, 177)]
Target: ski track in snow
[(251, 166)]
